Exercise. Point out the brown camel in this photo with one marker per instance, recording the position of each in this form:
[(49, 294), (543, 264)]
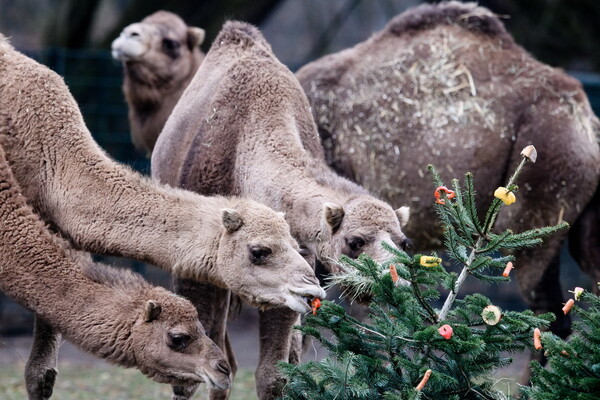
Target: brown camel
[(446, 84), (113, 314), (160, 56), (237, 130), (103, 207)]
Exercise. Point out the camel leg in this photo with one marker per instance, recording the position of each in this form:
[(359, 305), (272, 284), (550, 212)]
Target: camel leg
[(584, 240), (41, 368), (276, 326), (212, 304), (230, 355), (544, 295)]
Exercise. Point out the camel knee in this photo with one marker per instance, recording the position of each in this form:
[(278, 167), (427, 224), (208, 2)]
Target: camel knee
[(40, 370), (39, 381), (269, 382)]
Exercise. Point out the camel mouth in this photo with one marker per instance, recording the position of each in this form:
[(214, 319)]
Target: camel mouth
[(219, 381), (127, 49), (297, 302), (302, 302), (177, 378)]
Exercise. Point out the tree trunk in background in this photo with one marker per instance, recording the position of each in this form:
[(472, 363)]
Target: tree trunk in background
[(563, 34), (71, 24)]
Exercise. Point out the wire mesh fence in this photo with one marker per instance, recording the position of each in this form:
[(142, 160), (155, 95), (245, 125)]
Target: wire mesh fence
[(95, 80)]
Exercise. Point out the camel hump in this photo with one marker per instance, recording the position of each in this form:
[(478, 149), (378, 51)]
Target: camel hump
[(240, 33), (467, 15)]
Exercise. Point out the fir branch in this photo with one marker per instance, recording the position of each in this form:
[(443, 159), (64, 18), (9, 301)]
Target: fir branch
[(461, 215), (465, 227), (490, 216), (433, 318), (437, 179), (496, 242), (459, 282), (497, 203), (479, 263), (469, 197)]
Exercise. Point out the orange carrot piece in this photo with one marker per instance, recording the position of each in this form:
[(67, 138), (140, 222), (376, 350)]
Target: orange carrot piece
[(537, 339), (316, 303), (423, 382), (568, 305), (438, 194), (394, 273), (509, 266)]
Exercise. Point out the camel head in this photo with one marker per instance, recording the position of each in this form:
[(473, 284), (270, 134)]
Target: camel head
[(359, 226), (261, 259), (170, 345), (158, 49)]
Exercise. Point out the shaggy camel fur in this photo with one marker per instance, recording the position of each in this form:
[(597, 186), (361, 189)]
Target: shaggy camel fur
[(446, 84), (237, 130), (104, 207), (113, 314), (160, 56)]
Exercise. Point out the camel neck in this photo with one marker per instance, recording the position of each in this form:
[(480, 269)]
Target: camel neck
[(37, 273)]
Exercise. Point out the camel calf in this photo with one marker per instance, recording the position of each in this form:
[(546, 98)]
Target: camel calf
[(239, 128), (113, 314)]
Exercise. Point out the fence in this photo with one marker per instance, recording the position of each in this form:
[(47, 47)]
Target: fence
[(95, 81)]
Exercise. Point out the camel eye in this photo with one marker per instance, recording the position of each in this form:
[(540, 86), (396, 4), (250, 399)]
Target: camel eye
[(179, 341), (170, 46), (259, 254), (355, 243), (406, 244)]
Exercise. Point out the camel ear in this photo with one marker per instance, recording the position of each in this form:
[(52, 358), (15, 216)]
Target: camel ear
[(232, 220), (152, 311), (334, 214), (195, 36), (403, 214)]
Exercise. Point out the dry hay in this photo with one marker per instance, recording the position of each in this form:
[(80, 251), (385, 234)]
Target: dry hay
[(429, 86), (431, 90)]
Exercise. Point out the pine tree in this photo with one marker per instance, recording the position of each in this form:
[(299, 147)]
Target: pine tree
[(409, 349), (573, 370)]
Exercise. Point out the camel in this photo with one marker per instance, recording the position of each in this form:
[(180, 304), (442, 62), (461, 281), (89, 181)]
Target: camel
[(160, 56), (446, 84), (113, 314), (237, 129), (103, 207)]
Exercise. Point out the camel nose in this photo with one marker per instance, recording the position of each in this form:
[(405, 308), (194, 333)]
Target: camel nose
[(222, 366), (311, 280)]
